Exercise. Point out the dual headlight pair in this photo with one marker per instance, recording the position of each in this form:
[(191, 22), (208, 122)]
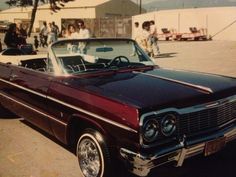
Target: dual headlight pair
[(153, 128)]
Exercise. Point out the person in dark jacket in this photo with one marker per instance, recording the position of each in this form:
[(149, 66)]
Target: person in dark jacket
[(21, 31), (11, 39)]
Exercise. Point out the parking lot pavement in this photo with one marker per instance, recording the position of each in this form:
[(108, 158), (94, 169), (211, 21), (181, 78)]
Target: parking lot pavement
[(206, 56), (27, 152)]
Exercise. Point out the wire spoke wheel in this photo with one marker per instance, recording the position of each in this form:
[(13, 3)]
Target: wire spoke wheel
[(93, 154), (89, 158)]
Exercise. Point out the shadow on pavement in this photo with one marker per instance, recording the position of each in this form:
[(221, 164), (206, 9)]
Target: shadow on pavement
[(51, 137)]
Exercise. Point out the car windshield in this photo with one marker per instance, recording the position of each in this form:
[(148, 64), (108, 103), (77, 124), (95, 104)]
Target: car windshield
[(99, 54)]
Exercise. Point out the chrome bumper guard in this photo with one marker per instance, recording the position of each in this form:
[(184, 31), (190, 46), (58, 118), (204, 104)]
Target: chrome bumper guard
[(141, 164)]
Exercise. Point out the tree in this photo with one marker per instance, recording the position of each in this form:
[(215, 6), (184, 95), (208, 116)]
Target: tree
[(55, 5)]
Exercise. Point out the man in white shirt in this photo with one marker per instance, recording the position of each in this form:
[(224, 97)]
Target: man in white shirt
[(83, 31), (153, 38), (83, 34)]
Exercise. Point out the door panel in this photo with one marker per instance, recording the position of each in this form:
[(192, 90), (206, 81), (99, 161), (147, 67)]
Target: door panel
[(28, 88)]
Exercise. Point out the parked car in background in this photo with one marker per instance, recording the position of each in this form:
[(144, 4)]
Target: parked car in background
[(4, 26), (109, 100)]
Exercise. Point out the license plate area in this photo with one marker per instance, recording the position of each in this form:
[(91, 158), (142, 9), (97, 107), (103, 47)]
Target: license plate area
[(214, 146)]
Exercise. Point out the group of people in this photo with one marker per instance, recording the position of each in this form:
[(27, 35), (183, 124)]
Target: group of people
[(48, 34), (16, 35), (146, 37), (77, 31)]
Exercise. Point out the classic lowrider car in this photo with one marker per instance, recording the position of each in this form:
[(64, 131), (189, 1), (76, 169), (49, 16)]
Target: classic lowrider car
[(108, 99)]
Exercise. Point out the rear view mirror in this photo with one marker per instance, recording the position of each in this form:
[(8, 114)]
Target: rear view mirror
[(104, 49)]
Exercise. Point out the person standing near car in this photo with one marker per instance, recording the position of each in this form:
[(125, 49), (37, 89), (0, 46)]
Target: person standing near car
[(11, 39), (136, 35), (144, 39), (153, 39)]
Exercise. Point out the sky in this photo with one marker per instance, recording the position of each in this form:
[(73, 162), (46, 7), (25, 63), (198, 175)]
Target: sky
[(3, 4)]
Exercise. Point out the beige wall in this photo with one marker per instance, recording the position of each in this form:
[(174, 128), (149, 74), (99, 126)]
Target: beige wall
[(214, 19), (47, 15), (17, 15)]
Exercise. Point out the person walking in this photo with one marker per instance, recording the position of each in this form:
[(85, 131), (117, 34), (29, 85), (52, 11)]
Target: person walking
[(56, 30), (44, 34), (154, 39), (36, 42), (51, 33)]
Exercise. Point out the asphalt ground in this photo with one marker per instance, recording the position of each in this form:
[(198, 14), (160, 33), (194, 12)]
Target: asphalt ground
[(25, 151)]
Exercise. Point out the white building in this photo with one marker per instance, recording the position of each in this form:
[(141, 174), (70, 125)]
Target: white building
[(219, 21)]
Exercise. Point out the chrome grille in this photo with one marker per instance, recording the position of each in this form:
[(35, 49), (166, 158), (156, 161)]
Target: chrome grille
[(200, 121)]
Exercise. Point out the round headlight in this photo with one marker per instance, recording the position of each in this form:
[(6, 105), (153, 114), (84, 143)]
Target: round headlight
[(168, 125), (150, 130)]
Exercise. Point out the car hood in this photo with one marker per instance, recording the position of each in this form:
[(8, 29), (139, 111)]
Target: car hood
[(160, 88)]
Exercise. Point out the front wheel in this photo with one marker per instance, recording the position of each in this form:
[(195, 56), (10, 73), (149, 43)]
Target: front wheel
[(93, 154)]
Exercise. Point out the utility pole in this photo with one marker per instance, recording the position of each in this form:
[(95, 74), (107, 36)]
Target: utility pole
[(140, 7)]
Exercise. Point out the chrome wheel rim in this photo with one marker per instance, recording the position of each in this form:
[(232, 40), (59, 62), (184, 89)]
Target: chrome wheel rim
[(89, 158)]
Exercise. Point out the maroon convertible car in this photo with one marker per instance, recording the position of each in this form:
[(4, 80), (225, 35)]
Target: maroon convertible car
[(106, 98)]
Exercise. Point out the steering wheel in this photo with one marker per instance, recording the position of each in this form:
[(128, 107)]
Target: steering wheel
[(118, 61)]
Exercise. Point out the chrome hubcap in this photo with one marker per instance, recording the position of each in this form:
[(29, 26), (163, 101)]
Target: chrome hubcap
[(89, 158)]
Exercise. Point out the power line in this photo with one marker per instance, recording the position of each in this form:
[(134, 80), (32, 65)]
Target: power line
[(224, 28)]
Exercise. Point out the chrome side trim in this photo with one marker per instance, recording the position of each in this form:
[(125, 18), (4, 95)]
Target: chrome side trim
[(73, 107), (33, 109), (23, 88), (93, 115), (199, 87)]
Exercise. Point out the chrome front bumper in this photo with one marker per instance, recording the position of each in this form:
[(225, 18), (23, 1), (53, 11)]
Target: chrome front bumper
[(141, 164)]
